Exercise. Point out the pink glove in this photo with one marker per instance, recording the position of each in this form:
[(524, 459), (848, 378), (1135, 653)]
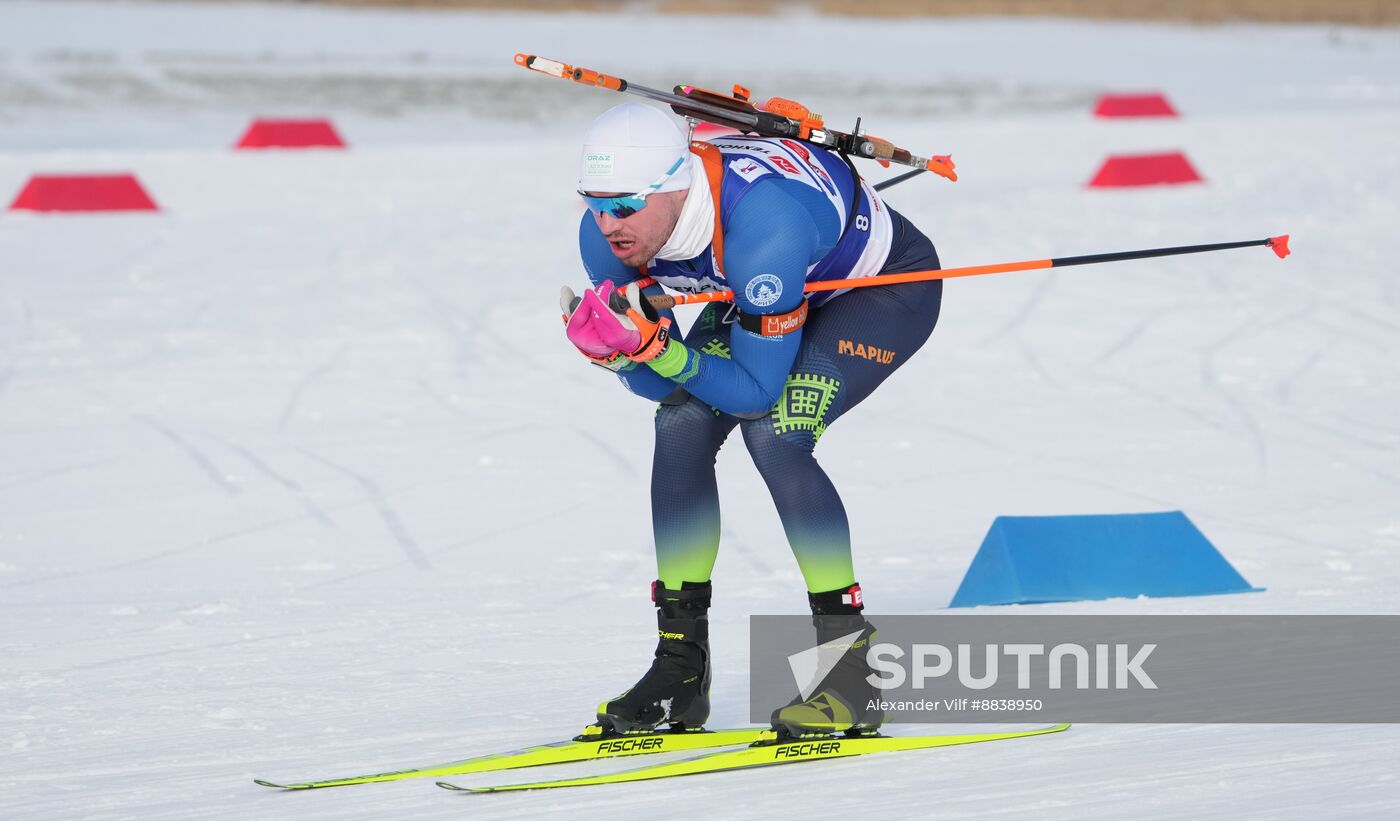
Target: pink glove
[(594, 328)]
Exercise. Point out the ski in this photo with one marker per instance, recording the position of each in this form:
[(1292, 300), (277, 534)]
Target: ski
[(765, 753), (586, 747)]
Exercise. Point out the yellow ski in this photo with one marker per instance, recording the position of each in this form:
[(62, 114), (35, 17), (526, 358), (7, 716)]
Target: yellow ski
[(767, 753), (586, 747)]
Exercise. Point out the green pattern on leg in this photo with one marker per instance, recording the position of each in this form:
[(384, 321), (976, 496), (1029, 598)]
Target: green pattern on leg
[(806, 399)]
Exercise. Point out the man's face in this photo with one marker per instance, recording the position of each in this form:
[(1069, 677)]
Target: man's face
[(635, 239)]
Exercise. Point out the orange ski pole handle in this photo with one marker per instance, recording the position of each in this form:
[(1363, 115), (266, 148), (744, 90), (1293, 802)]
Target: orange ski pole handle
[(1279, 244)]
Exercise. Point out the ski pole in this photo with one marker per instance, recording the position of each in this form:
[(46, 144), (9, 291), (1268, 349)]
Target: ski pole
[(893, 181), (1279, 245)]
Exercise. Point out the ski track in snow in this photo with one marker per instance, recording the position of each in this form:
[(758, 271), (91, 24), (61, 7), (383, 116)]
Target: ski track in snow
[(1124, 343), (393, 521), (299, 476), (289, 408), (1017, 319), (291, 485), (196, 455), (1210, 377), (49, 473)]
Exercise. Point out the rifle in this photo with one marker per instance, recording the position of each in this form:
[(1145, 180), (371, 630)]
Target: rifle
[(776, 117)]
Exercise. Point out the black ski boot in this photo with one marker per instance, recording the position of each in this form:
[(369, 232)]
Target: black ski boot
[(842, 701), (676, 690)]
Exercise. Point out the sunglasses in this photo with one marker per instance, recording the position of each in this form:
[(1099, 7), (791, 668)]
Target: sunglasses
[(627, 205)]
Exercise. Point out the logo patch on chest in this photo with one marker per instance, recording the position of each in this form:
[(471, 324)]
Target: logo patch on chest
[(748, 169)]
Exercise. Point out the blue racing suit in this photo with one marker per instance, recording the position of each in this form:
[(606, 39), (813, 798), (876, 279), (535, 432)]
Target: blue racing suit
[(790, 213)]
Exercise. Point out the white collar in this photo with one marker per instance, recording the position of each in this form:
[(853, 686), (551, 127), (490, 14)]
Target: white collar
[(695, 228)]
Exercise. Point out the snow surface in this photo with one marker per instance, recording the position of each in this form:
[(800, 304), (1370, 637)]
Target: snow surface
[(299, 477)]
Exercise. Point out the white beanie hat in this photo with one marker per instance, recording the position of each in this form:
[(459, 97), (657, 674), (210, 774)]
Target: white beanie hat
[(628, 148)]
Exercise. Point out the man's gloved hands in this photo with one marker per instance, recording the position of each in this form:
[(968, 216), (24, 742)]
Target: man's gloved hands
[(594, 328), (606, 325)]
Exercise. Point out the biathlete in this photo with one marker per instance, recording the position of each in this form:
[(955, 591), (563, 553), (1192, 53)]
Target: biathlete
[(761, 217)]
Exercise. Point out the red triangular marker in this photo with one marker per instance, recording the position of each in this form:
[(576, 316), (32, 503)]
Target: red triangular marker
[(265, 133), (83, 192), (1129, 170), (1153, 104)]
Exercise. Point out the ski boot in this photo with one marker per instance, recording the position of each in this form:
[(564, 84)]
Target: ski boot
[(676, 690), (842, 701)]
